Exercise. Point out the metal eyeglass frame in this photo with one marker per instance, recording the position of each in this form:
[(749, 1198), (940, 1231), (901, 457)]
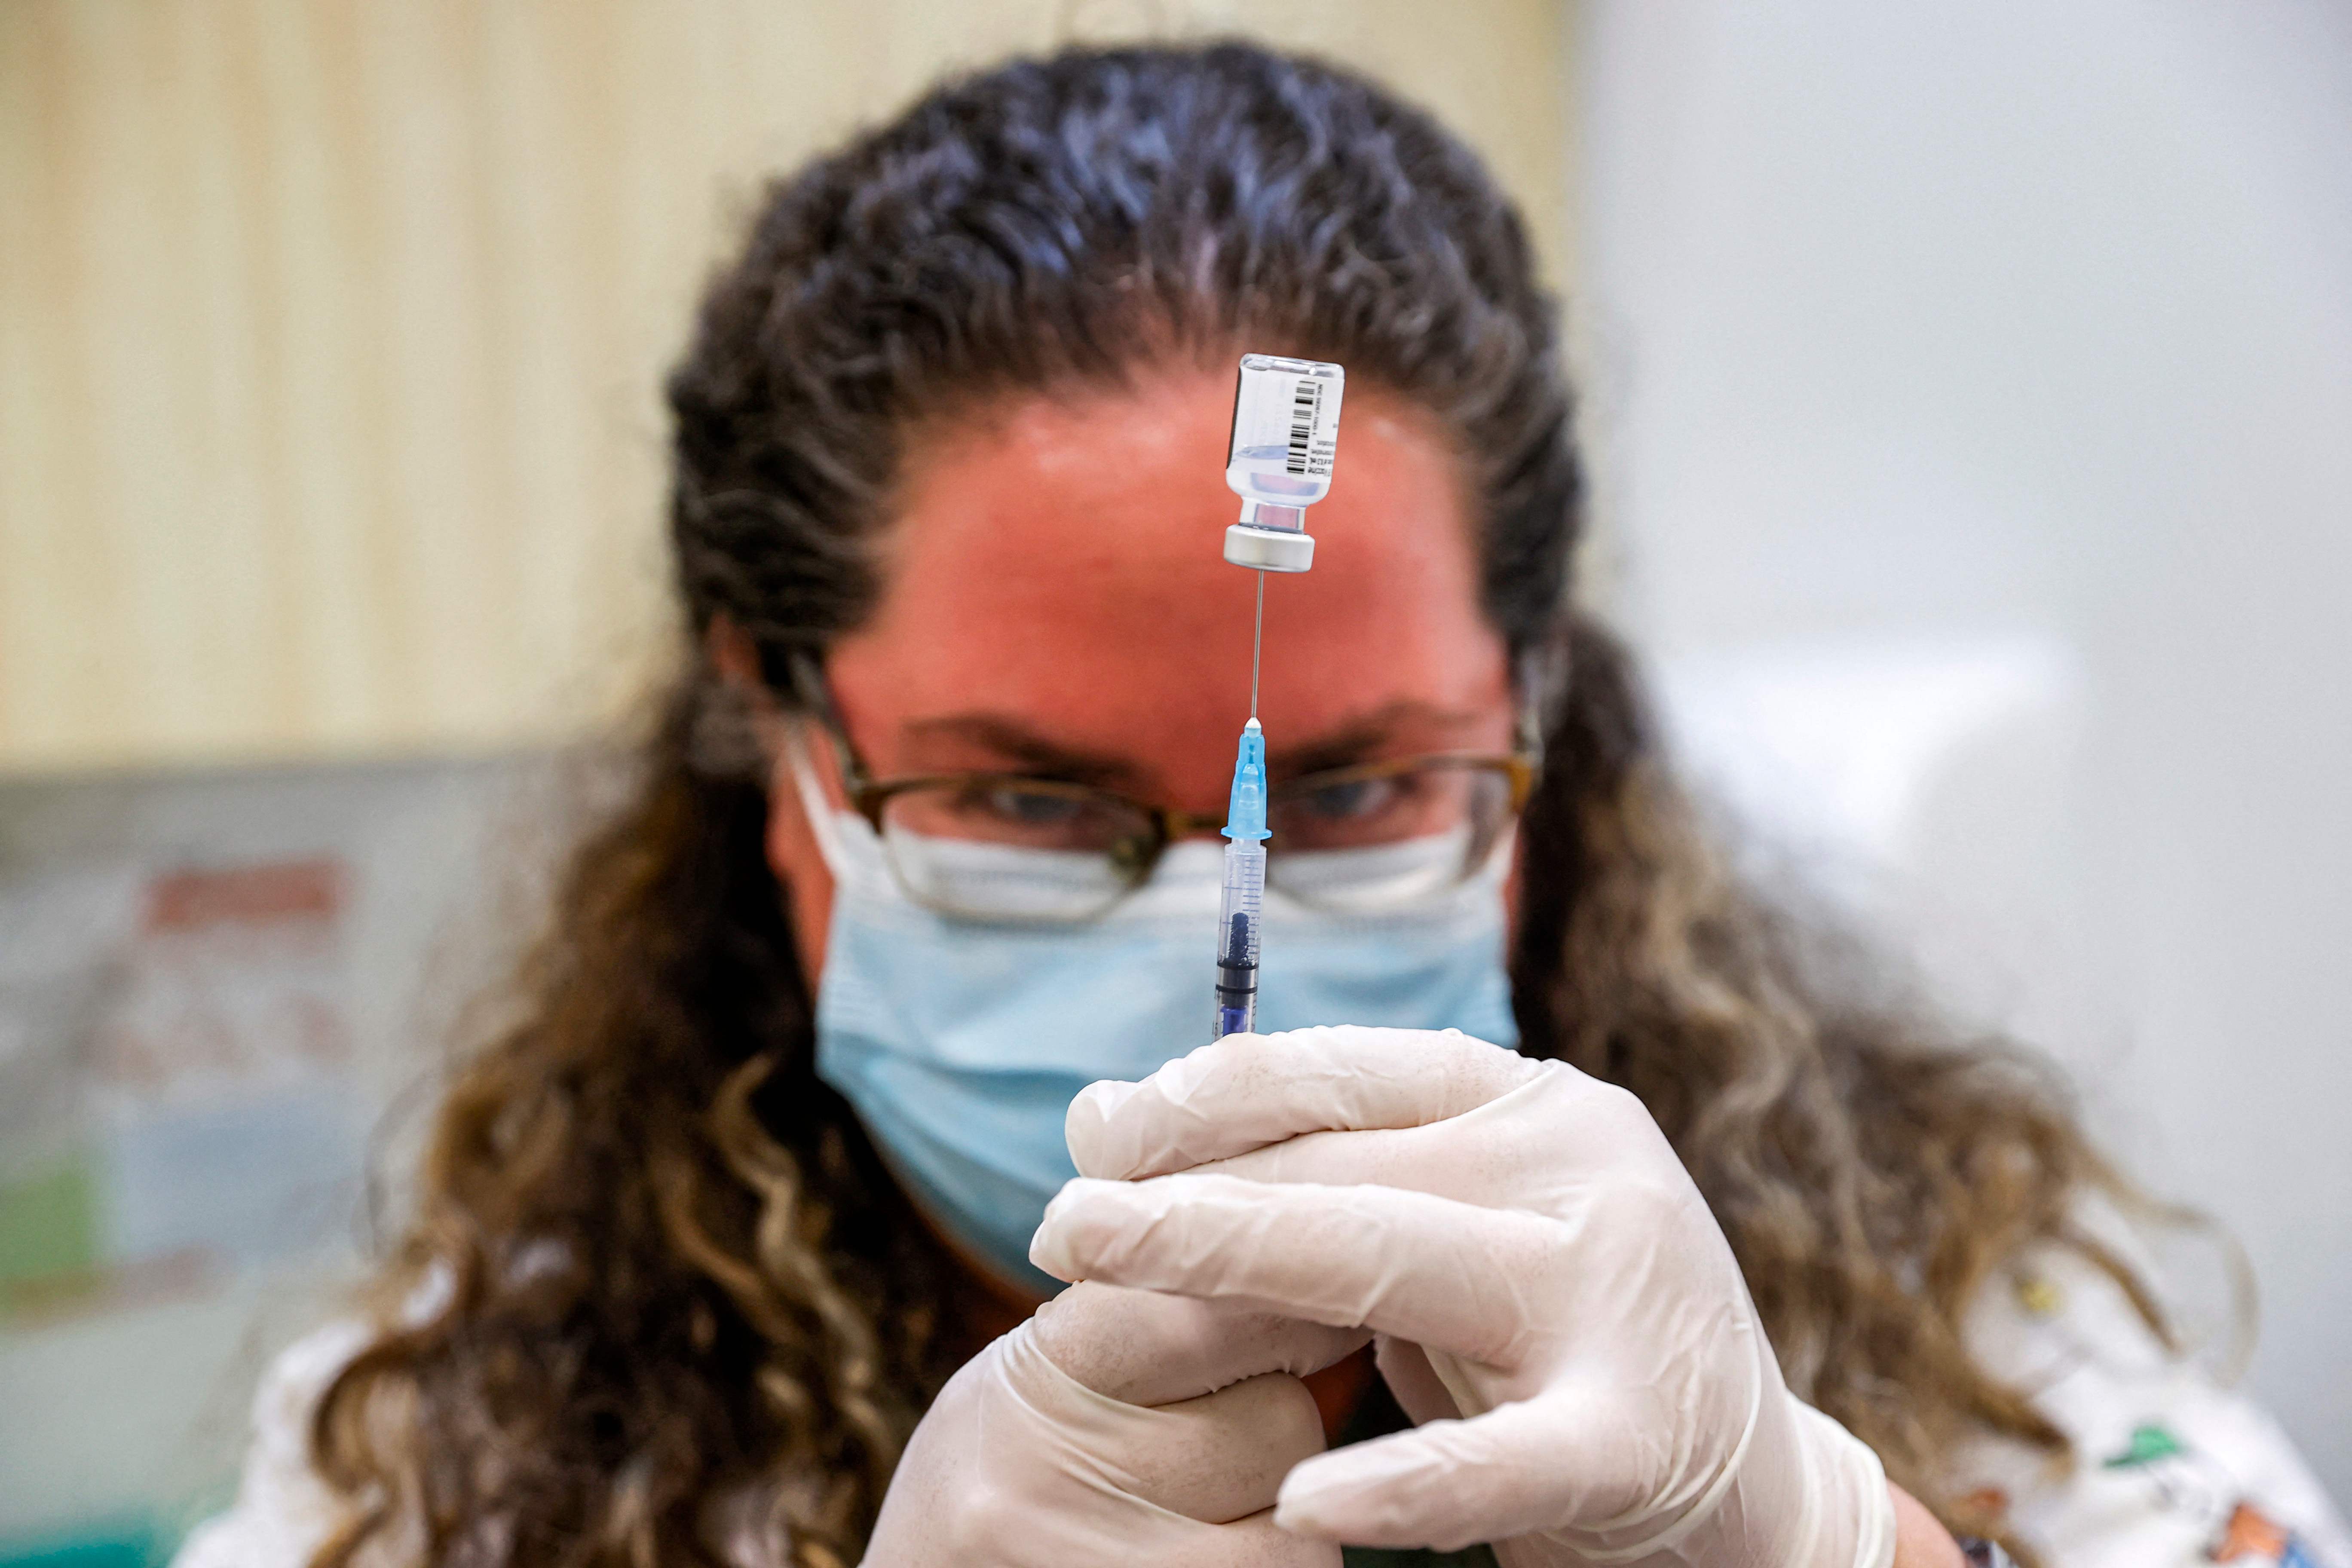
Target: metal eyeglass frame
[(868, 795)]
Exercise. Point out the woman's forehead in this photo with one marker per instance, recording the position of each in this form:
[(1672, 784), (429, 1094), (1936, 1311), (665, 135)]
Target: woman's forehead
[(1061, 558)]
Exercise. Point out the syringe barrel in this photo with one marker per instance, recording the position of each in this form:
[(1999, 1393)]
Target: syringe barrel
[(1237, 931)]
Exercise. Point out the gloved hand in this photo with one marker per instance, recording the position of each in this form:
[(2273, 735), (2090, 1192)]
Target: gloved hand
[(1115, 1426), (1560, 1312)]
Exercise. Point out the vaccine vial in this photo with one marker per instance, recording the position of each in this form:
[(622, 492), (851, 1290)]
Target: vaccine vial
[(1285, 440)]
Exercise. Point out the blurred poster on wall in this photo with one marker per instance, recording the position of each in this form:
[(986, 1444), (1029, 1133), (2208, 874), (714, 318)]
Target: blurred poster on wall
[(175, 1078), (61, 933)]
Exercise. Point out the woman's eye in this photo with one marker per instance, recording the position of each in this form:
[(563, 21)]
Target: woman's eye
[(1032, 808), (1349, 802)]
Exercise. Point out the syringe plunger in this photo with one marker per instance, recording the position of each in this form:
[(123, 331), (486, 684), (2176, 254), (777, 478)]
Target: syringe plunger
[(1237, 925)]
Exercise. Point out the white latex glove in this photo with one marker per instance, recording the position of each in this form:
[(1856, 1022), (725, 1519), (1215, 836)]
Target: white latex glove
[(1115, 1426), (1562, 1314)]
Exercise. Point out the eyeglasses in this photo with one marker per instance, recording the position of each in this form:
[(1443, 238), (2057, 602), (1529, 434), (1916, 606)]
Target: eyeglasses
[(1002, 847)]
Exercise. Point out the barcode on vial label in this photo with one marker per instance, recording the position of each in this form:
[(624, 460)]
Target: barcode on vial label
[(1303, 407)]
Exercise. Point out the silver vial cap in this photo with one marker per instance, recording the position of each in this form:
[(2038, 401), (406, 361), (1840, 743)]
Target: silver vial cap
[(1269, 548)]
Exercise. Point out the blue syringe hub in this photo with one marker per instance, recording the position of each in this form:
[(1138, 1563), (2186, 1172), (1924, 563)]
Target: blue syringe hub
[(1245, 812)]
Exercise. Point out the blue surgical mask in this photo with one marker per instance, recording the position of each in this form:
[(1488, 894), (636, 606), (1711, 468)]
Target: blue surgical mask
[(961, 1044)]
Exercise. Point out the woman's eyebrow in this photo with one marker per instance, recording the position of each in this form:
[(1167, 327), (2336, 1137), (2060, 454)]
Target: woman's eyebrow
[(1355, 740), (1363, 736), (1025, 751)]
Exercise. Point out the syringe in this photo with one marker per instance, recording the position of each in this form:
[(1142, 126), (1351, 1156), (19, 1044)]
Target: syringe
[(1237, 919), (1286, 437)]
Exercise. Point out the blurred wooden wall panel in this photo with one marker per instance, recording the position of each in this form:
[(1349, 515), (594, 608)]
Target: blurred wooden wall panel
[(331, 331)]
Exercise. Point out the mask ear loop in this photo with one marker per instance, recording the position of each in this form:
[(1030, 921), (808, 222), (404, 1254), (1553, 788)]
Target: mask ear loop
[(821, 813), (808, 688)]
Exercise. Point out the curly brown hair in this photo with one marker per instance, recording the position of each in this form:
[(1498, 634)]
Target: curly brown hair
[(668, 1268)]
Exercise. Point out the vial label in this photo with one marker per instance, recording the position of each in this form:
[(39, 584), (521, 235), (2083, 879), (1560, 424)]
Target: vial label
[(1286, 427), (1310, 451)]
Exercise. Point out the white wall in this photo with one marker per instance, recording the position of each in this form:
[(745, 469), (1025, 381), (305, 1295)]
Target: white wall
[(2018, 337)]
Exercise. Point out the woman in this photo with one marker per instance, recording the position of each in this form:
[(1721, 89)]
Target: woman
[(725, 1248)]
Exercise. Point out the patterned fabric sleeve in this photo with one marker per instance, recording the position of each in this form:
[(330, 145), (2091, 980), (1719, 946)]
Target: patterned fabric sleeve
[(283, 1511), (2172, 1470)]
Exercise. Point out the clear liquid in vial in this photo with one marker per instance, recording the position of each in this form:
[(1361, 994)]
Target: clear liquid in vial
[(1285, 430)]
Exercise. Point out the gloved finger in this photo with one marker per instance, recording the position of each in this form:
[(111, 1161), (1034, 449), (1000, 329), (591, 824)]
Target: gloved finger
[(1222, 1457), (1091, 1468), (1249, 1091), (1555, 1122), (1479, 1157), (1419, 1391), (1514, 1472), (1448, 1275), (1252, 1542), (1145, 1348)]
